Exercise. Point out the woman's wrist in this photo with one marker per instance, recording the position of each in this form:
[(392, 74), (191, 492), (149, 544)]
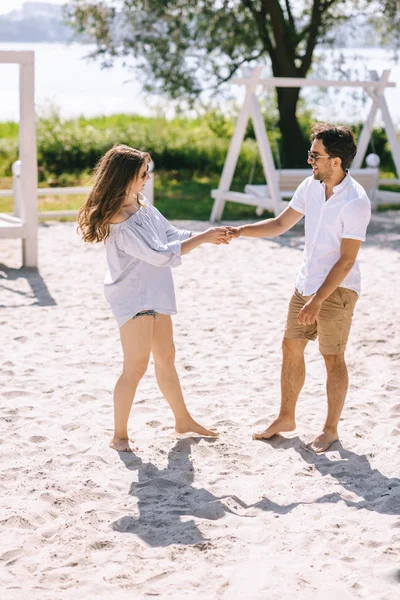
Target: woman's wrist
[(204, 236)]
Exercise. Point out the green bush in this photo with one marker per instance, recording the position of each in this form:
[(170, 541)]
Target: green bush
[(196, 145), (8, 154)]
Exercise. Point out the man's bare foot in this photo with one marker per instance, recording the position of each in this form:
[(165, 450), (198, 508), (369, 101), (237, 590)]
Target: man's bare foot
[(280, 424), (190, 426), (121, 445), (324, 441)]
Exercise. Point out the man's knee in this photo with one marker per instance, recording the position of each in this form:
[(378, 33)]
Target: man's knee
[(334, 361), (293, 347)]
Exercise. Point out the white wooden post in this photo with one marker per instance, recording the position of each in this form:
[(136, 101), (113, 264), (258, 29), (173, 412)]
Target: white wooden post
[(267, 158), (27, 144), (17, 189), (391, 133), (234, 147), (366, 132)]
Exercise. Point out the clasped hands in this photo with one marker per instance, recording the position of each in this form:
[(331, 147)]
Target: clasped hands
[(222, 235)]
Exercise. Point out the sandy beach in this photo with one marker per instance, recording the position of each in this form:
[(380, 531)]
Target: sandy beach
[(185, 517)]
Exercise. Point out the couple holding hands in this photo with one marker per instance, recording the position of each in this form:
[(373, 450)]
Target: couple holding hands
[(142, 246)]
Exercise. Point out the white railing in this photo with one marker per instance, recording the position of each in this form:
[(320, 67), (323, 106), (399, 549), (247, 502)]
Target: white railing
[(382, 197), (16, 193)]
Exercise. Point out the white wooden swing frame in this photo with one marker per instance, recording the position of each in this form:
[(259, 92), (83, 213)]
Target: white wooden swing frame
[(281, 183), (23, 223)]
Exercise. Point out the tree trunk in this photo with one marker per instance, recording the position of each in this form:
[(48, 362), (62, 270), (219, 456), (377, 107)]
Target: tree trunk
[(295, 144)]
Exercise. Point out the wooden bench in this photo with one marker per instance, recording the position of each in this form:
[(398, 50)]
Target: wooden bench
[(288, 182)]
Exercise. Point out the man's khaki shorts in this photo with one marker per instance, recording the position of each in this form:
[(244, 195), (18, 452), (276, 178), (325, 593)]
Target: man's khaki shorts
[(333, 322)]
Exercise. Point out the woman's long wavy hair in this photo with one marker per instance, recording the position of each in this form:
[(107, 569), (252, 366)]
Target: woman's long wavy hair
[(114, 172)]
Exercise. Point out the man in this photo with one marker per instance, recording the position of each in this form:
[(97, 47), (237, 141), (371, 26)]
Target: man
[(337, 212)]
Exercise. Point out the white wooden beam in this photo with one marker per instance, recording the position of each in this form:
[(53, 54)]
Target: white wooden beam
[(289, 82), (18, 57), (391, 133), (367, 129), (265, 153), (234, 147), (27, 145)]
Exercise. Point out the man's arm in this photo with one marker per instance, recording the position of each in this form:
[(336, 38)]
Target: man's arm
[(269, 227), (348, 253)]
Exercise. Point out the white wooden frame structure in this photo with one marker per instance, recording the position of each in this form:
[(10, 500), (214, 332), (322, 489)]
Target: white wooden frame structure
[(375, 87), (148, 191), (24, 222)]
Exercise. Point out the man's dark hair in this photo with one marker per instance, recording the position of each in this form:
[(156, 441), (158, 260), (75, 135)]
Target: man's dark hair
[(338, 141)]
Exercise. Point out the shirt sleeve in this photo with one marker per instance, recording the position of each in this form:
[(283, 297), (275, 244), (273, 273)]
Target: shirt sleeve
[(355, 217), (150, 250), (298, 201), (173, 234)]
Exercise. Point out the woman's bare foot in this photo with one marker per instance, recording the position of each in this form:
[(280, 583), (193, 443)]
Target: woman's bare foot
[(324, 441), (280, 424), (190, 426), (121, 445)]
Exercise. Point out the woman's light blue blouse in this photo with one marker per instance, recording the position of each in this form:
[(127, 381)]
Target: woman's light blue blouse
[(140, 253)]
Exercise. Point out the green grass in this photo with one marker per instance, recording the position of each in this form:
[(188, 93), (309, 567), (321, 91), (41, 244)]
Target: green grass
[(9, 130), (177, 195), (183, 198)]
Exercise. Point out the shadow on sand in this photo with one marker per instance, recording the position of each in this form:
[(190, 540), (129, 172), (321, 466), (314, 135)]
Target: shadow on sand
[(166, 495), (353, 472), (36, 283)]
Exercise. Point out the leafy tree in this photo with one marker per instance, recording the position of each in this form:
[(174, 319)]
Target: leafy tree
[(182, 47)]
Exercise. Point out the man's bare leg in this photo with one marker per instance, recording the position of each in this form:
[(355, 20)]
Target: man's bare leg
[(293, 375), (336, 388), (136, 338), (163, 350)]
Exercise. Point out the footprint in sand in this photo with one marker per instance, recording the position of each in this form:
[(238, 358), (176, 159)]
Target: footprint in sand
[(102, 545), (49, 533), (389, 387), (15, 393), (153, 423), (17, 522), (11, 555), (37, 439), (73, 426), (86, 398)]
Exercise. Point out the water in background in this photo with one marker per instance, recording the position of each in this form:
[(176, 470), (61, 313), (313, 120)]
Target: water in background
[(79, 87)]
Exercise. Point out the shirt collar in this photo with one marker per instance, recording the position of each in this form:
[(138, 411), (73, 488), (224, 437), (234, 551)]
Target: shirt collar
[(338, 188)]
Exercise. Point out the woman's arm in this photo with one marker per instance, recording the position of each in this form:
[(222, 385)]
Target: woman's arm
[(173, 234), (215, 235)]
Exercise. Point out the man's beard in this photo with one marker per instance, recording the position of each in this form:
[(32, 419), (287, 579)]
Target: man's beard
[(322, 177)]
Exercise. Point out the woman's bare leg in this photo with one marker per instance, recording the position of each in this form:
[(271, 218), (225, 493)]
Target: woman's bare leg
[(136, 339), (163, 350)]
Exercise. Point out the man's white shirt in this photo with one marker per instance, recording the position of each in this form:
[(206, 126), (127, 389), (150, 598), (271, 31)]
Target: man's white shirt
[(345, 214)]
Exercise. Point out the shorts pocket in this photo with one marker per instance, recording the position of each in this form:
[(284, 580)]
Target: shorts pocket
[(348, 298)]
